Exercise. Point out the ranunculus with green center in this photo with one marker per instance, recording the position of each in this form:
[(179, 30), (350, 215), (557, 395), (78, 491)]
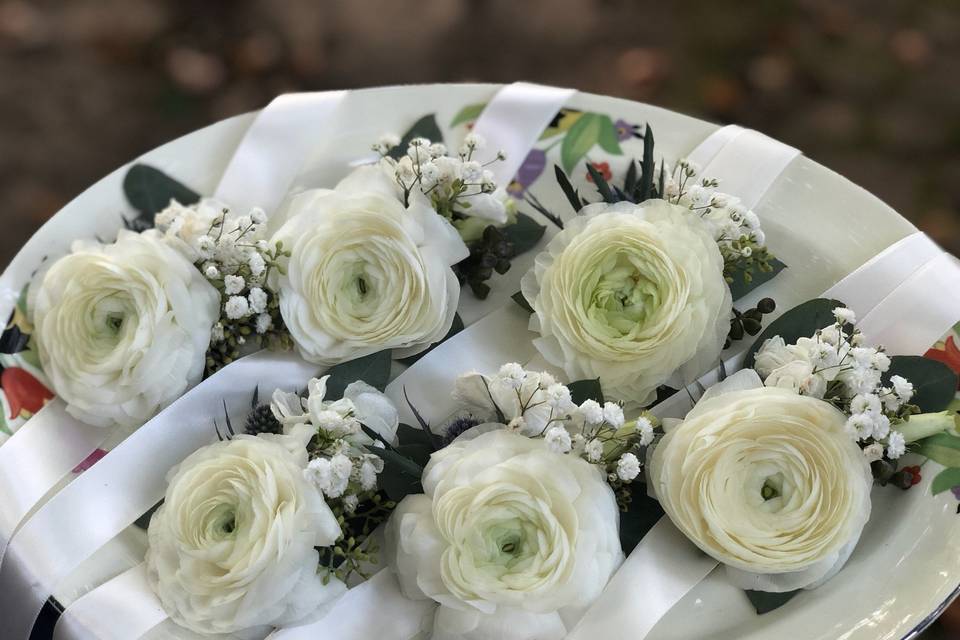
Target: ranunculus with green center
[(233, 548), (366, 273), (511, 539), (122, 329), (633, 295), (766, 481)]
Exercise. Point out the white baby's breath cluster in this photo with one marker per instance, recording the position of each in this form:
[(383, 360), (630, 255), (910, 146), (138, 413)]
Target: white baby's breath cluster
[(735, 227), (458, 185), (232, 253), (536, 405), (835, 365)]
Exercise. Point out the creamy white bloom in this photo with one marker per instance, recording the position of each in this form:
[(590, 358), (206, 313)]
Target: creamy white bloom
[(632, 294), (512, 540), (232, 547), (366, 272), (767, 482), (122, 329)]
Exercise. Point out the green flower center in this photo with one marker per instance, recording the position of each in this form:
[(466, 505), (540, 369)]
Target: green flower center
[(623, 297)]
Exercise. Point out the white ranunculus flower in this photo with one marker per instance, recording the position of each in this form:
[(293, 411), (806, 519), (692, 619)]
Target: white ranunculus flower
[(767, 482), (366, 272), (122, 329), (512, 540), (632, 294), (233, 546)]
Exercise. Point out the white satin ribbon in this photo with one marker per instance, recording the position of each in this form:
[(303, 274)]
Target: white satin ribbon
[(659, 572), (125, 484), (513, 121), (919, 311), (374, 609), (279, 142), (746, 162), (123, 608), (37, 457), (863, 289), (484, 346)]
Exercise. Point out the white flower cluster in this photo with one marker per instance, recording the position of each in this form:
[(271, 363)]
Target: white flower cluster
[(232, 253), (735, 227), (341, 466), (457, 185), (835, 366), (534, 404)]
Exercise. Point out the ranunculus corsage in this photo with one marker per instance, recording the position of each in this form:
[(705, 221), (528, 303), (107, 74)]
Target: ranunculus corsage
[(765, 480), (122, 329), (366, 273), (510, 538), (233, 548), (633, 295)]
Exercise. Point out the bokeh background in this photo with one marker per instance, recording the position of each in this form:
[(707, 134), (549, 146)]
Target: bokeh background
[(868, 88)]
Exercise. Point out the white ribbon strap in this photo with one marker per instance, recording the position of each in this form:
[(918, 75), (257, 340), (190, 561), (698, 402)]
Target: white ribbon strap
[(863, 289), (120, 609), (375, 609), (37, 457), (746, 162), (282, 138), (125, 484), (513, 121), (484, 346), (919, 311), (662, 569)]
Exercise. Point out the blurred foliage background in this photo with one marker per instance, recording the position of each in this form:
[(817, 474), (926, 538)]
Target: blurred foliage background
[(868, 88)]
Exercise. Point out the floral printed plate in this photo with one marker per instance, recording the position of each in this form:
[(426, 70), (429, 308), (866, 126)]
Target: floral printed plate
[(907, 565)]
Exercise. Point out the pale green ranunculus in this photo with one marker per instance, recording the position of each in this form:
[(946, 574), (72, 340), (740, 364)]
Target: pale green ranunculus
[(632, 294), (511, 539)]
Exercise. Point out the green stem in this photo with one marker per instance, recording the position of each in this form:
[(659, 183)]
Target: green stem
[(925, 425)]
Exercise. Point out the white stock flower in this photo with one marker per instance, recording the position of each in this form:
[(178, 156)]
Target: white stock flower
[(122, 329), (631, 294), (509, 538), (233, 546), (902, 387), (767, 482), (366, 272)]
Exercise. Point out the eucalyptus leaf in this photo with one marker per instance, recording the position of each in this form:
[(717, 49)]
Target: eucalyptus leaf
[(150, 190), (582, 390), (373, 369), (945, 480), (643, 512), (524, 234), (943, 448), (934, 383), (416, 452), (740, 287), (520, 300), (803, 321), (764, 601), (425, 127), (467, 114), (580, 138), (400, 476), (455, 328), (407, 434)]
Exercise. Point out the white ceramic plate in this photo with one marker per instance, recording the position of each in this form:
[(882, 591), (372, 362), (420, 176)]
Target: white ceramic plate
[(907, 565)]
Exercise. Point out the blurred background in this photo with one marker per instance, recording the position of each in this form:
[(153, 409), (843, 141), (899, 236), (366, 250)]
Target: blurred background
[(868, 88)]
